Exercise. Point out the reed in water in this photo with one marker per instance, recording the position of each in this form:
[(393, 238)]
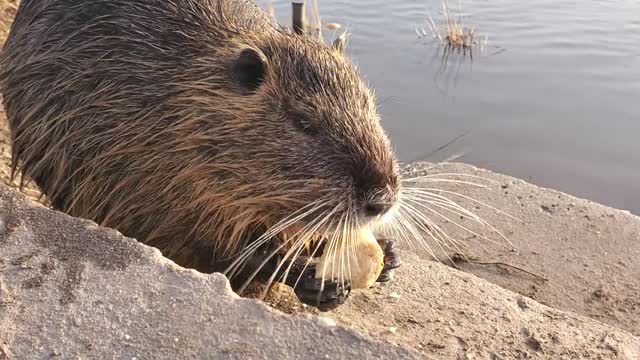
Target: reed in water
[(452, 31)]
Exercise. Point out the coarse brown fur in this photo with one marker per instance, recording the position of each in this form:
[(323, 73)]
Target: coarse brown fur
[(134, 114)]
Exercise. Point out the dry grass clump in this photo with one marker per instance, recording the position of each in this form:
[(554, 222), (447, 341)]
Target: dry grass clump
[(453, 32)]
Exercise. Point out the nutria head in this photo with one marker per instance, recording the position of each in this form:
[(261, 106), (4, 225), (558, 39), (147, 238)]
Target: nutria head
[(305, 127), (191, 130)]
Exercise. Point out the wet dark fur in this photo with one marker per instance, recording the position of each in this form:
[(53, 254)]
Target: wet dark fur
[(132, 113)]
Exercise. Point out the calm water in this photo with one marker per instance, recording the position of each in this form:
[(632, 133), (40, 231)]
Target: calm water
[(560, 107)]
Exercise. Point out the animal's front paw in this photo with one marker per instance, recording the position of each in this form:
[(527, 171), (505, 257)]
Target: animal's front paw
[(325, 295), (391, 260)]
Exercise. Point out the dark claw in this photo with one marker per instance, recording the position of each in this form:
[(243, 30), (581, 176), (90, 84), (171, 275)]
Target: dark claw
[(311, 292), (391, 260)]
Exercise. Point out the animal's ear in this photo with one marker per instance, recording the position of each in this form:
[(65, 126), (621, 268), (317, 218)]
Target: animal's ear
[(250, 68), (340, 43)]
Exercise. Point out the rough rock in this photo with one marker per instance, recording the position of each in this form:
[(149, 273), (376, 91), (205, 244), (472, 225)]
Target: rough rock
[(72, 290), (448, 314)]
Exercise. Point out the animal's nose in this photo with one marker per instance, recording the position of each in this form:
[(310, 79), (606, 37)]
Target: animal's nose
[(376, 208)]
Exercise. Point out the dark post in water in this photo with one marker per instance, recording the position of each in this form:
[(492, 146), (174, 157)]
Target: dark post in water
[(297, 8)]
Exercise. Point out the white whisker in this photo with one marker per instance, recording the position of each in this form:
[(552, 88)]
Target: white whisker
[(268, 235), (407, 224), (313, 254), (303, 240), (427, 190), (434, 230), (429, 196), (329, 257), (280, 247), (439, 175), (454, 181), (451, 221), (439, 200)]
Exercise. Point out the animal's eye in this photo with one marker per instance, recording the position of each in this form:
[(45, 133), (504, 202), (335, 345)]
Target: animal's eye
[(304, 123), (250, 68)]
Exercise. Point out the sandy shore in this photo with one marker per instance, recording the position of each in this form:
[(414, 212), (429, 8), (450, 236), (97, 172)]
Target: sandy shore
[(565, 252)]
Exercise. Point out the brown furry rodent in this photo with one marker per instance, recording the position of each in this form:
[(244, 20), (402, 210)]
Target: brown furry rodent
[(198, 127)]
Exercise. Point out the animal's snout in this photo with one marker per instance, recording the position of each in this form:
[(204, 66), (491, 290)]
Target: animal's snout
[(379, 200), (377, 191)]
